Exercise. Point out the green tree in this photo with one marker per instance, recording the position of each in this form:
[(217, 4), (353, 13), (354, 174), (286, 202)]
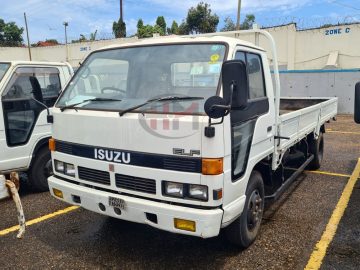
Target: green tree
[(145, 31), (160, 21), (82, 38), (200, 19), (93, 36), (229, 25), (248, 22), (183, 29), (10, 34), (2, 25), (174, 30), (157, 29), (119, 29)]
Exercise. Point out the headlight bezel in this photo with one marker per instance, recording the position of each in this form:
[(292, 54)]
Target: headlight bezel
[(64, 169), (186, 191)]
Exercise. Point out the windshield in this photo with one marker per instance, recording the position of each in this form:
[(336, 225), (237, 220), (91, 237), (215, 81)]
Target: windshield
[(135, 75), (3, 68)]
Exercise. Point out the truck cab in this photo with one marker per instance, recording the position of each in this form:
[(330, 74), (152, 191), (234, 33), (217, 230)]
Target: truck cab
[(185, 134), (26, 89)]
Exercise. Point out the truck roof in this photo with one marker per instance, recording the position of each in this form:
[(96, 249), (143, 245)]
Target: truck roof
[(185, 39), (16, 63)]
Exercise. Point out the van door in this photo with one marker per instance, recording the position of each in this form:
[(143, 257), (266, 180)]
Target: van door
[(21, 112)]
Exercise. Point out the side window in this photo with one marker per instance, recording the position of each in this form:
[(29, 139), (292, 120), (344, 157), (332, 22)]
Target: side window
[(50, 83), (255, 73), (256, 77), (20, 110), (240, 56)]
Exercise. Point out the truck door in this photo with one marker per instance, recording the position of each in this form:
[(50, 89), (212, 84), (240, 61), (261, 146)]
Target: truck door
[(20, 110), (243, 122)]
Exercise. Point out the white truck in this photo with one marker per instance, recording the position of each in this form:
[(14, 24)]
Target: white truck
[(185, 134), (26, 89)]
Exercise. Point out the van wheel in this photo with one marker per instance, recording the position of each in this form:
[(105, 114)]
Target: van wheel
[(316, 148), (40, 170), (243, 231)]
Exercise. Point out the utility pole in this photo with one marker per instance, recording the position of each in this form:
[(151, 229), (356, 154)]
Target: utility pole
[(27, 35), (66, 24), (238, 16), (121, 10)]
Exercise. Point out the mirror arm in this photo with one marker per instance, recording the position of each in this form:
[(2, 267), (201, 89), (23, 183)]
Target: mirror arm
[(42, 104), (50, 118)]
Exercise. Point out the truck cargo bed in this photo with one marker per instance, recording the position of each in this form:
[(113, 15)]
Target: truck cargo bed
[(302, 116), (293, 104)]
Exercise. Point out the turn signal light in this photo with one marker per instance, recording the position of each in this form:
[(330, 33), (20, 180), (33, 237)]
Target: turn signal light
[(212, 166), (185, 225), (52, 144)]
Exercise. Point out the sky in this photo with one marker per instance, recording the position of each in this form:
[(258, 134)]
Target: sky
[(46, 17)]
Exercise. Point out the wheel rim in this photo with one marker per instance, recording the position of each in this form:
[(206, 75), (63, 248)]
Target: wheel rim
[(255, 209), (48, 169)]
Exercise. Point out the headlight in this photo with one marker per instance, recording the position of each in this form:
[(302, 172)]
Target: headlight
[(174, 189), (186, 191), (69, 169), (64, 168), (59, 166), (198, 192)]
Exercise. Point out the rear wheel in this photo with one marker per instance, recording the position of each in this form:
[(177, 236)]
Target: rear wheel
[(243, 231), (316, 148), (40, 170)]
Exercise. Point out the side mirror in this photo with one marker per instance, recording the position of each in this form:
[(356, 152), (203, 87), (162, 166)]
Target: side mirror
[(235, 90), (357, 103), (235, 84), (216, 107)]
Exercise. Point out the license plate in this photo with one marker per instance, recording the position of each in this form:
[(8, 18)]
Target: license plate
[(116, 202)]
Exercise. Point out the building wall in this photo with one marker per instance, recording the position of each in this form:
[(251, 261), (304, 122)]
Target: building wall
[(322, 83), (332, 47)]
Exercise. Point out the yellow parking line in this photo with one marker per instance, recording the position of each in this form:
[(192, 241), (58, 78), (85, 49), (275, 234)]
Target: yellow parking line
[(323, 172), (343, 132), (329, 173), (319, 251), (39, 219)]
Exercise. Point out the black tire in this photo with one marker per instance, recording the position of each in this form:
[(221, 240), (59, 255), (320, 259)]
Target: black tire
[(316, 148), (243, 231), (40, 170)]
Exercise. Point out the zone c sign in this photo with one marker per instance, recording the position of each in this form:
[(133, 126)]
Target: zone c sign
[(337, 31)]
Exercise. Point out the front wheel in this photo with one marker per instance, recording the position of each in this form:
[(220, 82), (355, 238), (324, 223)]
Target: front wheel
[(40, 170), (243, 231)]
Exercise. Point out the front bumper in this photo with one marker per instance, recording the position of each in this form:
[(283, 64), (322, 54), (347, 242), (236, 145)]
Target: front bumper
[(208, 222)]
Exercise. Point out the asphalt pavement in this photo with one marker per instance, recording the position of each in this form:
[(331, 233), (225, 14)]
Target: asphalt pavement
[(290, 229)]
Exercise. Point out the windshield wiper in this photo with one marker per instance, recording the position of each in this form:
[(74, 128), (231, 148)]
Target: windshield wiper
[(73, 106), (168, 98)]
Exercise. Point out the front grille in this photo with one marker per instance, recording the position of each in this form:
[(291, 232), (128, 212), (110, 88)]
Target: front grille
[(135, 183), (96, 176), (64, 147), (189, 165)]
